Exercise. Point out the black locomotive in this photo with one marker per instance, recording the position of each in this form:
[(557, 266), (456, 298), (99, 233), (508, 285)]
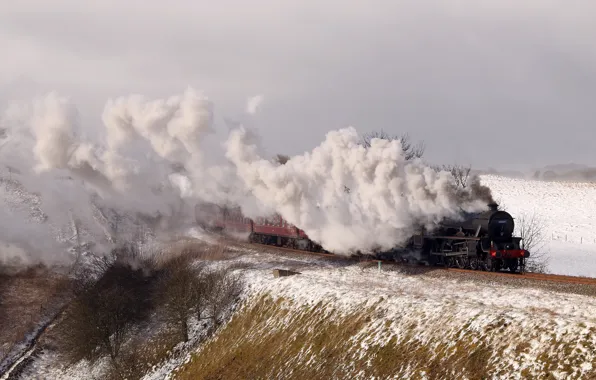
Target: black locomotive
[(481, 241)]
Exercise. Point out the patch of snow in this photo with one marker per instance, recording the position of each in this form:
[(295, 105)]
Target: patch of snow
[(444, 307)]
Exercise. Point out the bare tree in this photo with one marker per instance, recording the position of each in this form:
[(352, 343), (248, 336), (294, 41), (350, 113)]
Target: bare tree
[(410, 150), (181, 292), (460, 173), (222, 289), (118, 295), (530, 227), (188, 289), (106, 308), (96, 324)]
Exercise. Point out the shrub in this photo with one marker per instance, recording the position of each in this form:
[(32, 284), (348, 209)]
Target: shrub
[(104, 311), (121, 297)]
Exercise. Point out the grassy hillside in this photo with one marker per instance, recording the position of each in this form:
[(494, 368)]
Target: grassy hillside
[(277, 338), (24, 299)]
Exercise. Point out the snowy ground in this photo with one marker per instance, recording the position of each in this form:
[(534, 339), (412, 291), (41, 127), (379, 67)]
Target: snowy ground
[(568, 211), (439, 307)]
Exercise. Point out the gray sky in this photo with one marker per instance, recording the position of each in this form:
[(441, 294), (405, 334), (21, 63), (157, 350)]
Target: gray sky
[(500, 83)]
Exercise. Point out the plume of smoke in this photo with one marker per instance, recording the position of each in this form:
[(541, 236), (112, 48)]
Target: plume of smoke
[(24, 242), (480, 191), (149, 163), (150, 168), (173, 127), (253, 104), (350, 198)]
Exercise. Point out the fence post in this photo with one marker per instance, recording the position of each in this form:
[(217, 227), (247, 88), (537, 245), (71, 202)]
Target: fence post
[(379, 266)]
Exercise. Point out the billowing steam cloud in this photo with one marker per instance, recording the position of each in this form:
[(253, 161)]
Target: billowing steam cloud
[(253, 104), (143, 140), (135, 168), (350, 198), (149, 166)]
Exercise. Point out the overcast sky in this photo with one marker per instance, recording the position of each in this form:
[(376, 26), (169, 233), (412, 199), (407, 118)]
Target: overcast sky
[(500, 83)]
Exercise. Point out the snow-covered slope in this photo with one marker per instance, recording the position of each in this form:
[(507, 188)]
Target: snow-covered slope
[(568, 212), (344, 320), (351, 322), (83, 225)]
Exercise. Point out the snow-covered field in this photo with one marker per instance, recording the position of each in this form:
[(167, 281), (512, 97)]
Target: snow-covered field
[(568, 212), (439, 311)]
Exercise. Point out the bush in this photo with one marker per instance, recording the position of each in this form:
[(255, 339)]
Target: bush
[(121, 297), (530, 227), (186, 290), (104, 311), (180, 292), (221, 290)]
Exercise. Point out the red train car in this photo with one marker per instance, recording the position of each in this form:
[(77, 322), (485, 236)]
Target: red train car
[(275, 230), (271, 230), (236, 222)]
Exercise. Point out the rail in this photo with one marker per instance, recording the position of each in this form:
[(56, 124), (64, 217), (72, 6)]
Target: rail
[(526, 276)]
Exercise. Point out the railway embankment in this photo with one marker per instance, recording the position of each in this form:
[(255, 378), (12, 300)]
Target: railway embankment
[(358, 322), (309, 316)]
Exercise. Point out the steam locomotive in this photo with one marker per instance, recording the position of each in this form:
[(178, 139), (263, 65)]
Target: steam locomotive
[(478, 241)]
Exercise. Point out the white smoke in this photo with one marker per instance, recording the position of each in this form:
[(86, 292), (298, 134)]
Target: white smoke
[(347, 197), (148, 162), (23, 241), (253, 104), (149, 166)]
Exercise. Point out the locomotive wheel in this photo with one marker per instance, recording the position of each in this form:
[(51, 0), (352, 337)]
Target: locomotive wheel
[(513, 266), (448, 262), (488, 265), (474, 265), (460, 262), (522, 266)]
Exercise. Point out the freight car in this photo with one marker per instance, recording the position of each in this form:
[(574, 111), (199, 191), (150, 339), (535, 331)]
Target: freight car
[(479, 241)]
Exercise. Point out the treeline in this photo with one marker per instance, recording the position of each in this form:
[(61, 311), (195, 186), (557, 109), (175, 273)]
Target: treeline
[(588, 175), (125, 303)]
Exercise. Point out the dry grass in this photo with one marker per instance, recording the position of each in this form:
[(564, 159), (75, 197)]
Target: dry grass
[(24, 298), (275, 339), (144, 351)]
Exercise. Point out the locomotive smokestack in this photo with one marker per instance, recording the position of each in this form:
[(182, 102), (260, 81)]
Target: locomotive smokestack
[(493, 206)]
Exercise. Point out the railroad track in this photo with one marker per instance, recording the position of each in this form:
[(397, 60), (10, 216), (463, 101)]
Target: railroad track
[(526, 276)]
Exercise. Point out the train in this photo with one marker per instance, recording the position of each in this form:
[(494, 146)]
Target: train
[(478, 241)]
